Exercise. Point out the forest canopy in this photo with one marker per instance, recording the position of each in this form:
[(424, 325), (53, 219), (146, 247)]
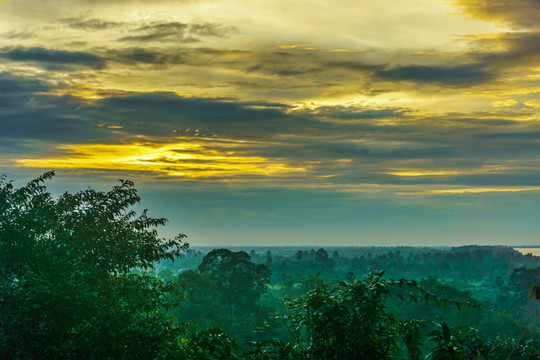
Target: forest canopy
[(83, 276)]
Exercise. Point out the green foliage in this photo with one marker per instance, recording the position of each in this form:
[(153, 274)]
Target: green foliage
[(201, 301), (241, 281), (348, 320), (503, 348), (522, 279), (211, 344), (226, 293), (273, 349), (74, 283), (67, 290), (411, 335), (469, 344), (445, 349)]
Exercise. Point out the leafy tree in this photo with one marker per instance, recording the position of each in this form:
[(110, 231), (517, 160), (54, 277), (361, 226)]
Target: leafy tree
[(201, 301), (323, 258), (241, 281), (273, 349), (465, 344), (349, 320), (226, 293), (453, 315), (269, 257), (67, 286), (321, 255), (211, 344), (523, 278)]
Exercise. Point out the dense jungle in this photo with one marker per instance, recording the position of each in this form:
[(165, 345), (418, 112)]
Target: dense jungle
[(84, 276)]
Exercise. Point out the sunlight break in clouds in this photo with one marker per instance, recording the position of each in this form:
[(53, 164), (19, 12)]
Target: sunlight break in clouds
[(475, 190), (189, 160), (485, 169)]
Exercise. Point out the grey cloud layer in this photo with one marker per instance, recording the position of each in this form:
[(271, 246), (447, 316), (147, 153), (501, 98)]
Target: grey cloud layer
[(300, 66), (152, 31), (462, 75), (324, 136), (304, 66), (177, 32), (90, 24), (27, 115), (53, 59), (166, 45)]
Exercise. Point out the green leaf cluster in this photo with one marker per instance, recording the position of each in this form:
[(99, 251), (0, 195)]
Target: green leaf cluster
[(67, 286)]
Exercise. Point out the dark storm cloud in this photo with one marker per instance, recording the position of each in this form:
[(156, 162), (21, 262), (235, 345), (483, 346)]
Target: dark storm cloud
[(518, 13), (31, 113), (53, 59), (14, 91), (461, 75), (512, 136), (199, 109), (10, 84), (166, 111), (28, 113)]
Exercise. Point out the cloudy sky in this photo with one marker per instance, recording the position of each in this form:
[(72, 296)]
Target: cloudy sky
[(307, 122)]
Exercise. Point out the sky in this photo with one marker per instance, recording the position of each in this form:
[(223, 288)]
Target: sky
[(307, 122)]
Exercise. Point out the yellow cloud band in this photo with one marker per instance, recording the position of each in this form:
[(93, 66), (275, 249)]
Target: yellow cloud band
[(472, 190), (485, 169), (182, 159)]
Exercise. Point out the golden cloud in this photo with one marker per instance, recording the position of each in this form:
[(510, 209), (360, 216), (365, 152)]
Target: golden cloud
[(471, 190), (179, 159), (535, 103), (485, 169), (504, 103)]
